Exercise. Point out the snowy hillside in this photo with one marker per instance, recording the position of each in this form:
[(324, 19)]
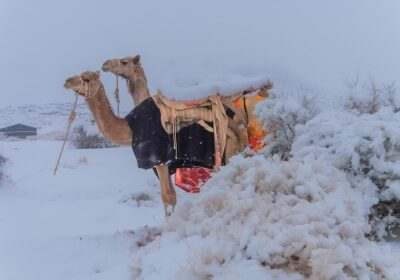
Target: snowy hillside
[(50, 119), (101, 217)]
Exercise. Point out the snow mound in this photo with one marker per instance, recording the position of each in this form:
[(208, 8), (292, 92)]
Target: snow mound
[(367, 148), (267, 218)]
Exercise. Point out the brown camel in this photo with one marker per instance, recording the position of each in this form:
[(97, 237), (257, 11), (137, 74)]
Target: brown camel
[(113, 128), (132, 71), (118, 131)]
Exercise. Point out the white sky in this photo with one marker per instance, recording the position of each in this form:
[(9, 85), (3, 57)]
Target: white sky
[(317, 42)]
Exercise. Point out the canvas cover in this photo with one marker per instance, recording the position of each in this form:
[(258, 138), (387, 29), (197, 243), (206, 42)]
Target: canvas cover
[(153, 146)]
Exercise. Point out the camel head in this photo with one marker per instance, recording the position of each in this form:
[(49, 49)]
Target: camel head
[(127, 67), (85, 84), (132, 71)]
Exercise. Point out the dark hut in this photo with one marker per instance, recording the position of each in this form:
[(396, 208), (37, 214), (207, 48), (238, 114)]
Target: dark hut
[(18, 130)]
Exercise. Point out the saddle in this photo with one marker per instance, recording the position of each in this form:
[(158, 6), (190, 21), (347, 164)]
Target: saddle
[(216, 113)]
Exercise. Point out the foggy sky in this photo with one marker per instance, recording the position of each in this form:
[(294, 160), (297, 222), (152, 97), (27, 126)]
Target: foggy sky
[(321, 43)]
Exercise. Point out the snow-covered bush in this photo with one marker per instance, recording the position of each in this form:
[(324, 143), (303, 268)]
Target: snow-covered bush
[(371, 98), (82, 139), (361, 138), (367, 148), (139, 199), (267, 219), (280, 113), (2, 163)]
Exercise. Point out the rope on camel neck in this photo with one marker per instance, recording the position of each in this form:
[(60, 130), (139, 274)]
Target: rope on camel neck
[(116, 95)]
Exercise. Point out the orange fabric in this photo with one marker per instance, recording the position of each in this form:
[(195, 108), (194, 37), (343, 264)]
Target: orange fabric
[(254, 129)]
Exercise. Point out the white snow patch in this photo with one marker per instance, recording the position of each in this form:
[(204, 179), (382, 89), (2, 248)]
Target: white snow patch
[(275, 219), (188, 89)]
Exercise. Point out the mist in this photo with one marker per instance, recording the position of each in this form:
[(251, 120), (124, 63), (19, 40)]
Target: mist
[(317, 43)]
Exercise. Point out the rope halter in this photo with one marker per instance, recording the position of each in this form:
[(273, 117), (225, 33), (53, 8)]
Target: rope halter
[(88, 87)]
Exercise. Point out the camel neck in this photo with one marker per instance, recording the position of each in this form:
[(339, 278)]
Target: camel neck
[(113, 128), (137, 87)]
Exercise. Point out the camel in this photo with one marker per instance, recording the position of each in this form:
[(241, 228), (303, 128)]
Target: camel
[(130, 69), (114, 128), (119, 131)]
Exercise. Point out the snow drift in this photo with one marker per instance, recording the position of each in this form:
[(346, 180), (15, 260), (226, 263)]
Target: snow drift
[(311, 217), (267, 218), (367, 148)]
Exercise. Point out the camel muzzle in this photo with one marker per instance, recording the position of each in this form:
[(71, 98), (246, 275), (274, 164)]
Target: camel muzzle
[(72, 82), (106, 67), (68, 83)]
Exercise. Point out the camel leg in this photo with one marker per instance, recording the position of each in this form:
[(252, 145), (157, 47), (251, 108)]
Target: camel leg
[(168, 193)]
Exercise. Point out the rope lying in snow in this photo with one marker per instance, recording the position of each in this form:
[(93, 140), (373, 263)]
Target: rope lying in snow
[(71, 119)]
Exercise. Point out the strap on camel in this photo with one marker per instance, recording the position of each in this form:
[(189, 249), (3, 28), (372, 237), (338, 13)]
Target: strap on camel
[(228, 120), (176, 115)]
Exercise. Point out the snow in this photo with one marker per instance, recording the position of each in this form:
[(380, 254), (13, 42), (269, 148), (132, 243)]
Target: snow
[(276, 219), (188, 89), (77, 224), (101, 217)]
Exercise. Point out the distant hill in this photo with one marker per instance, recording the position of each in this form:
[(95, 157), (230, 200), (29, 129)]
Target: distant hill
[(50, 119)]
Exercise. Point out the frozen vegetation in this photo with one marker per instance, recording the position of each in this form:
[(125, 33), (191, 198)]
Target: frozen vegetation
[(2, 163), (83, 139), (309, 206), (361, 138), (261, 218)]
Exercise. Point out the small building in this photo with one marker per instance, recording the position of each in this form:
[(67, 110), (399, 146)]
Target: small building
[(19, 130)]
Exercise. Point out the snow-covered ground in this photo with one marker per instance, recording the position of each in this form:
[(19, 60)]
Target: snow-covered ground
[(97, 217), (79, 224)]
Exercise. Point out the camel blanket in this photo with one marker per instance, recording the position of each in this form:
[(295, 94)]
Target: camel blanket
[(153, 146), (176, 115)]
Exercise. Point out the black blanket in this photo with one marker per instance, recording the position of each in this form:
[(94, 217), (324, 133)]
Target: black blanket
[(153, 146)]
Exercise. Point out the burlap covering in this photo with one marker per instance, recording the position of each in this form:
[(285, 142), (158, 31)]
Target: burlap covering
[(230, 133), (177, 114)]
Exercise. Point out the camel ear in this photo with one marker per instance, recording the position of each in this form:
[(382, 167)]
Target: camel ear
[(136, 59)]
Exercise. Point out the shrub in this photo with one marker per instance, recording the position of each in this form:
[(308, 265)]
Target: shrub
[(280, 113), (367, 149), (363, 140), (2, 163), (82, 139), (369, 99)]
